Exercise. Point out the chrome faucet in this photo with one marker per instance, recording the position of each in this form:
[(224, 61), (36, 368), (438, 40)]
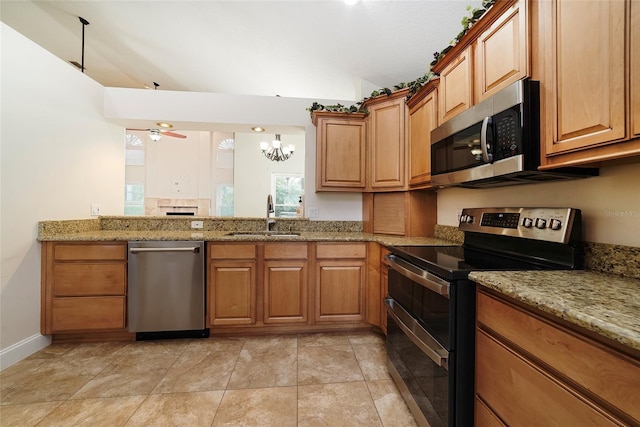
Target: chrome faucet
[(270, 210)]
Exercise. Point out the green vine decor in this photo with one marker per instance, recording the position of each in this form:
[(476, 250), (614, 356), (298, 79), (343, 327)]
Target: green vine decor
[(467, 22), (474, 14)]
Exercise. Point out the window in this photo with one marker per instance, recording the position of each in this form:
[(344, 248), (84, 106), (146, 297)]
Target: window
[(287, 188), (224, 202), (134, 199)]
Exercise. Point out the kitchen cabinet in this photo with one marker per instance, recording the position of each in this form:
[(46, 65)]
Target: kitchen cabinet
[(384, 286), (501, 52), (84, 287), (340, 282), (423, 118), (285, 283), (402, 213), (231, 285), (454, 92), (386, 141), (583, 67), (340, 151), (533, 369), (634, 41)]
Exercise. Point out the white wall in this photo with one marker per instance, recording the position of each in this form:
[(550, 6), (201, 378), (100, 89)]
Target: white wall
[(610, 203), (252, 171), (58, 155), (196, 107)]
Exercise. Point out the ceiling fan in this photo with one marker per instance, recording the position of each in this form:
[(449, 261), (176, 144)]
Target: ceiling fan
[(155, 134)]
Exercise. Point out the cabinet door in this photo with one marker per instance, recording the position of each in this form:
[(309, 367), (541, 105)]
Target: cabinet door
[(387, 144), (340, 154), (285, 292), (232, 293), (340, 291), (635, 68), (87, 314), (454, 93), (523, 395), (422, 120), (502, 52), (583, 87)]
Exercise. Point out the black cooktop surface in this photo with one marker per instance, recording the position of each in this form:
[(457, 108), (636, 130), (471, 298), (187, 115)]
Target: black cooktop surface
[(455, 262)]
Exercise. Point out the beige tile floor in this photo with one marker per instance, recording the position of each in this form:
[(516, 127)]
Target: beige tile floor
[(290, 380)]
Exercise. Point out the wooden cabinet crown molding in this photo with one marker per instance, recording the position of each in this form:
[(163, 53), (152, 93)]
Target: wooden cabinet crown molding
[(470, 37), (423, 92), (317, 115)]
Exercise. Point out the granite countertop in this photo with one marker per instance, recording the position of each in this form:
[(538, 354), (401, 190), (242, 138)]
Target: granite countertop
[(603, 303), (223, 236)]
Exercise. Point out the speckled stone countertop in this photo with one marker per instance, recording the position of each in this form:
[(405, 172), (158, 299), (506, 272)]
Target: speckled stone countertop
[(603, 303), (217, 229)]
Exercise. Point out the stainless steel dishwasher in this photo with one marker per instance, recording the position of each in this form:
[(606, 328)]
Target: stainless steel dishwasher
[(166, 289)]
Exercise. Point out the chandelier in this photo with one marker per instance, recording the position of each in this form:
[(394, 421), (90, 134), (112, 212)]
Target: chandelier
[(276, 152)]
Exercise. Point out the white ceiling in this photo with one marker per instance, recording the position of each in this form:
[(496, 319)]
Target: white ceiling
[(308, 49)]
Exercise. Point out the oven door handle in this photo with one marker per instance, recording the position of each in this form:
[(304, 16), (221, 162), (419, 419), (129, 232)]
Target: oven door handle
[(417, 334), (419, 276)]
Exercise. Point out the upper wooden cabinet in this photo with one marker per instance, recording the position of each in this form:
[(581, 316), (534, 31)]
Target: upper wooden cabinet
[(502, 52), (423, 110), (386, 141), (340, 151), (583, 68), (455, 87)]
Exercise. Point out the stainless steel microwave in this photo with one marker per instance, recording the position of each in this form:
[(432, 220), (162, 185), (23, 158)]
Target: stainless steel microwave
[(495, 143)]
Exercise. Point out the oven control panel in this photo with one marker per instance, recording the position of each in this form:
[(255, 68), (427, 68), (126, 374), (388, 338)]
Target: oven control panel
[(559, 225)]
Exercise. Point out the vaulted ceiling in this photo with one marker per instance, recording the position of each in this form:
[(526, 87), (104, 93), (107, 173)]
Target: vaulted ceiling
[(302, 48)]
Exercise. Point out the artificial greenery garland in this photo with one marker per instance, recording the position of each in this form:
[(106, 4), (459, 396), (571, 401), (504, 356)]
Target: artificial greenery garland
[(467, 22)]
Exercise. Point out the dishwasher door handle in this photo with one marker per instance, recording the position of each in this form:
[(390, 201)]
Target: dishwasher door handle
[(194, 249)]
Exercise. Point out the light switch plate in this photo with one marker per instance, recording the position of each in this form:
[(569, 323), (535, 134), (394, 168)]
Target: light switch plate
[(196, 224)]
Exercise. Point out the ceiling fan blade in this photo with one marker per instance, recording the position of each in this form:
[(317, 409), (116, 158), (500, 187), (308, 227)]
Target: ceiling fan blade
[(173, 134), (144, 130)]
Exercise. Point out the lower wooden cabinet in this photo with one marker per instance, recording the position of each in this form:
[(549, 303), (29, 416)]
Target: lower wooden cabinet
[(231, 289), (340, 282), (531, 370), (84, 287), (285, 283)]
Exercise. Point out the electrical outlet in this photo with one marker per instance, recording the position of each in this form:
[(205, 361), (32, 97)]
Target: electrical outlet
[(314, 212), (95, 209), (196, 224)]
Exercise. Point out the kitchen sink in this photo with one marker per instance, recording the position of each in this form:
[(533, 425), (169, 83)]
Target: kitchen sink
[(263, 234)]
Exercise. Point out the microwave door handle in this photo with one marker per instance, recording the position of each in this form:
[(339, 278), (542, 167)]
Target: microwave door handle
[(486, 156)]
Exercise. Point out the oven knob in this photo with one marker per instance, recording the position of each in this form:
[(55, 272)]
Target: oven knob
[(555, 224), (463, 218), (541, 223), (527, 222), (469, 219)]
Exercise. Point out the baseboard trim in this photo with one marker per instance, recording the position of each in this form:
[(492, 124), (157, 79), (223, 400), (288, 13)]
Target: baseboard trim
[(23, 349)]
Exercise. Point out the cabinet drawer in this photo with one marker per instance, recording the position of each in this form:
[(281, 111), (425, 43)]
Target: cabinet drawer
[(341, 250), (239, 251), (74, 279), (485, 416), (87, 313), (285, 250), (518, 391), (84, 252), (613, 377)]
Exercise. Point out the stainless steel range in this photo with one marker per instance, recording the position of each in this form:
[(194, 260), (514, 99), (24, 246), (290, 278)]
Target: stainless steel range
[(431, 302)]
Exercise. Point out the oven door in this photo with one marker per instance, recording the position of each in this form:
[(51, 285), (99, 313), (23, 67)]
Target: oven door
[(418, 366)]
